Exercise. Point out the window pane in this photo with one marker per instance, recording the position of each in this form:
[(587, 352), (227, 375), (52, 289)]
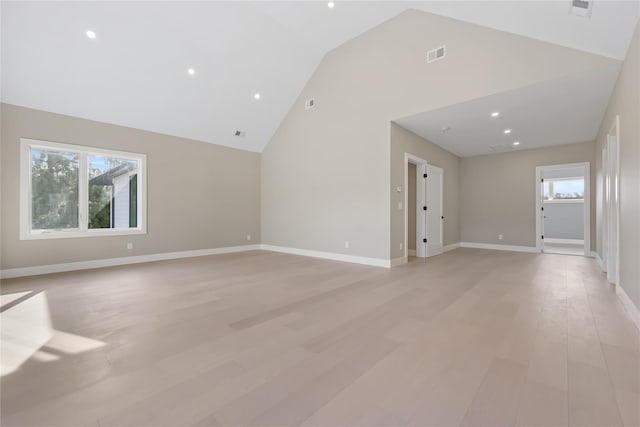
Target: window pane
[(568, 189), (545, 190), (54, 189), (111, 202)]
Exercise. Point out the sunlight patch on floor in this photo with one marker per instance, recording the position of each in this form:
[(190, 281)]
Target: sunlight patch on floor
[(26, 328)]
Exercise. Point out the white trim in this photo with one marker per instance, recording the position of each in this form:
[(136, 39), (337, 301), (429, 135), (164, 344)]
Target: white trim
[(563, 201), (398, 261), (587, 203), (451, 247), (629, 306), (110, 262), (376, 262), (421, 169), (565, 241), (411, 252), (531, 249)]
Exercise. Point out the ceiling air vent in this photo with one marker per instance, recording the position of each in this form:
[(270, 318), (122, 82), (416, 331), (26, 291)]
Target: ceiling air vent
[(240, 134), (436, 54), (309, 103), (499, 148), (581, 8)]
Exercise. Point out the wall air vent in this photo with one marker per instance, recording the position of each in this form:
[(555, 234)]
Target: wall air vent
[(581, 8), (309, 103), (240, 134), (436, 54)]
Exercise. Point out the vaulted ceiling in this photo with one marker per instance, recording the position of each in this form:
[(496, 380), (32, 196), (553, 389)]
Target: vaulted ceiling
[(134, 72)]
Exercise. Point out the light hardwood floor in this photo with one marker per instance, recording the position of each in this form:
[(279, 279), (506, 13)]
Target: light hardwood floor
[(471, 337)]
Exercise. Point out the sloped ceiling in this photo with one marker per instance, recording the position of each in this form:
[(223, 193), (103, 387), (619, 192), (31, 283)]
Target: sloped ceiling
[(553, 112), (134, 73)]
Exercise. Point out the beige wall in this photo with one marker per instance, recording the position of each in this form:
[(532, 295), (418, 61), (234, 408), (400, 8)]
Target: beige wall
[(497, 193), (199, 195), (327, 173), (411, 206), (404, 141), (625, 102)]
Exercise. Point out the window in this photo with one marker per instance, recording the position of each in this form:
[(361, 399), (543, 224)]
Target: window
[(563, 189), (74, 191)]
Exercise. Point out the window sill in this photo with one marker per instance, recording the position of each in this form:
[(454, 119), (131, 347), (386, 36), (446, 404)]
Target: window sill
[(561, 201), (80, 234)]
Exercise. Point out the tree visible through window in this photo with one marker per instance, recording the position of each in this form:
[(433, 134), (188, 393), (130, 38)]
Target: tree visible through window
[(54, 195), (69, 189)]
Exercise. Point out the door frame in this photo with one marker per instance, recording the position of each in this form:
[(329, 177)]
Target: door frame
[(611, 232), (421, 218), (587, 203)]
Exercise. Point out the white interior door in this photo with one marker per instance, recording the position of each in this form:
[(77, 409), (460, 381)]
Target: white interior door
[(421, 217), (435, 215)]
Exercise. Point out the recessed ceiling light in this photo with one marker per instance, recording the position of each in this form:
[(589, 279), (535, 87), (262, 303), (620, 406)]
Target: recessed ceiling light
[(91, 34), (331, 5), (191, 71), (256, 96), (515, 144), (495, 114), (507, 131)]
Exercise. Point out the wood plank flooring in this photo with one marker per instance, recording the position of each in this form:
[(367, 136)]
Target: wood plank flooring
[(471, 337)]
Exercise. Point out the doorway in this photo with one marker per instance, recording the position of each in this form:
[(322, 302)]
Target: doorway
[(423, 199), (563, 209)]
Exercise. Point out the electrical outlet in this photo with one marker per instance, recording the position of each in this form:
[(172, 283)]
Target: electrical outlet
[(499, 236), (400, 246), (248, 236), (346, 244), (129, 245), (399, 205)]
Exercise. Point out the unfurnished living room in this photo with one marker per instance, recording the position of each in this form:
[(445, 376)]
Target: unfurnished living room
[(320, 213)]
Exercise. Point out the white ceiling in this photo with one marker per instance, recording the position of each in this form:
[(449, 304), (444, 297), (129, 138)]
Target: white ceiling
[(134, 72), (554, 112)]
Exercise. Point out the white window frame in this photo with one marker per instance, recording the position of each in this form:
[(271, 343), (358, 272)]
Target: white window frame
[(552, 180), (27, 233)]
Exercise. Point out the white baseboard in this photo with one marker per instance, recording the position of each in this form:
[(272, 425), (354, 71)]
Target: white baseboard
[(411, 252), (110, 262), (631, 308), (512, 248), (376, 262), (451, 247)]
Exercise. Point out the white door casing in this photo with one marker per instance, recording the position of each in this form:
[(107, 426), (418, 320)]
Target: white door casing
[(421, 169), (587, 203), (611, 205)]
